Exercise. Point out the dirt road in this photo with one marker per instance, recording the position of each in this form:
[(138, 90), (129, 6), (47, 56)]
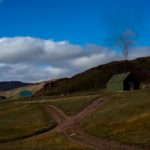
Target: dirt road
[(70, 126)]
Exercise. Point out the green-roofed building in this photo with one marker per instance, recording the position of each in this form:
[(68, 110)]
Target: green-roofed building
[(123, 82)]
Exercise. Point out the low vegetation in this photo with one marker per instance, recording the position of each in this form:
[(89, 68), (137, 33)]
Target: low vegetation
[(73, 105), (126, 118), (22, 120), (54, 141)]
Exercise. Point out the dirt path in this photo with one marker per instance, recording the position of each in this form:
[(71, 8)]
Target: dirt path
[(57, 114), (75, 120), (70, 126)]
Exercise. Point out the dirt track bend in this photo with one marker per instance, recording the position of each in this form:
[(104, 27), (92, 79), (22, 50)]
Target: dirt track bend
[(70, 126)]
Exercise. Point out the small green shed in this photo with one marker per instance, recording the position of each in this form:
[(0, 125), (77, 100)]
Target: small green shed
[(123, 82)]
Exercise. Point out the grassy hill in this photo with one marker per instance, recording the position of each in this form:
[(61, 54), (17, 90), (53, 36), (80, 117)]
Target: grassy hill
[(96, 78), (126, 118)]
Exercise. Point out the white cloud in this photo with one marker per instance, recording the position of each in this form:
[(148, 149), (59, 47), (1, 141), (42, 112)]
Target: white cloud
[(98, 55), (139, 52), (22, 49), (30, 73), (105, 55), (31, 59)]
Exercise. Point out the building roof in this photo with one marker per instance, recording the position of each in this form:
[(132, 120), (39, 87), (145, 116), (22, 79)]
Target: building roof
[(118, 78)]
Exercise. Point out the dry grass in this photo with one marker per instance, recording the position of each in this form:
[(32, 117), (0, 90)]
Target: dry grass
[(54, 141), (21, 120), (73, 105), (125, 118)]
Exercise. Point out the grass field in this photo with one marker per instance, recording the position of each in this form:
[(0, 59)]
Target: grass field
[(73, 105), (53, 141), (126, 118), (21, 120), (25, 119)]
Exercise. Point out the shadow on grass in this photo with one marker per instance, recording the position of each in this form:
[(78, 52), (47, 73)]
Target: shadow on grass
[(41, 131)]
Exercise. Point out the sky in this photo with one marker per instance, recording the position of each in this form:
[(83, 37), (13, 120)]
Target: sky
[(49, 39)]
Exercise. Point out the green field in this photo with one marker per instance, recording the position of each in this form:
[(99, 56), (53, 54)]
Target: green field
[(21, 120), (126, 118)]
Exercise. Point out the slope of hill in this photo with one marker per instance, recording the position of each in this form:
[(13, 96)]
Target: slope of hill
[(48, 85), (6, 86), (96, 78), (125, 118)]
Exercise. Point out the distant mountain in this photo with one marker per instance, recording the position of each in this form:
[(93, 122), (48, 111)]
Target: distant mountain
[(96, 78), (7, 86)]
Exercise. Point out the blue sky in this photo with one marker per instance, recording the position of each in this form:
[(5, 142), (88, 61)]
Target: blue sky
[(78, 21), (63, 37)]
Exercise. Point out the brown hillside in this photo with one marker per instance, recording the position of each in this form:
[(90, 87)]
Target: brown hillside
[(96, 78)]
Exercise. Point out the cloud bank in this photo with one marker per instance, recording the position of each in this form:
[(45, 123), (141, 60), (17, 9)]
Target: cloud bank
[(31, 59)]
